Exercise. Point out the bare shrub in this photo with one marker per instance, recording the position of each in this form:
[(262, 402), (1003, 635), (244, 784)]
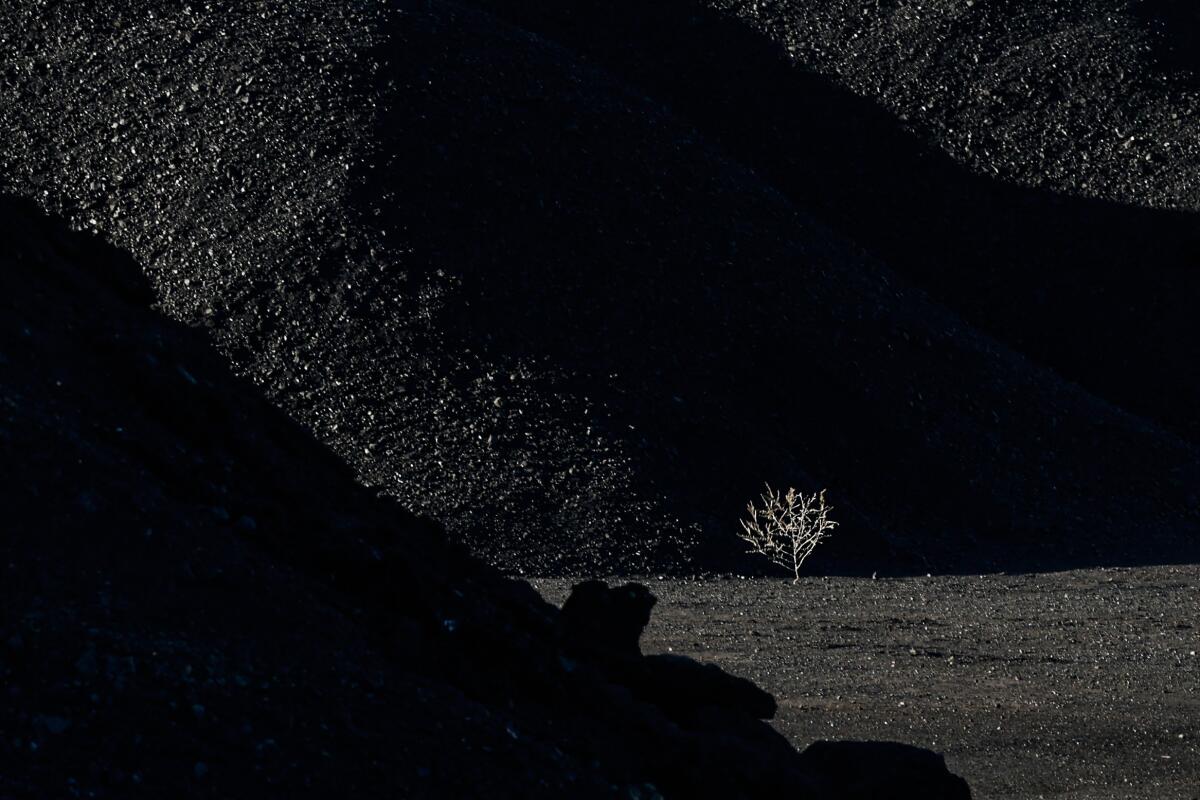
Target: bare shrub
[(787, 527)]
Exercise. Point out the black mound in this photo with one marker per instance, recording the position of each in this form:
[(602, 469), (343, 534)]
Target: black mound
[(517, 293), (1068, 99), (198, 601)]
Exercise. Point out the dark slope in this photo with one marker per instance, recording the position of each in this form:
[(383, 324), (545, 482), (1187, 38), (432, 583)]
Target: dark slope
[(198, 601), (1085, 98), (1064, 97), (533, 303)]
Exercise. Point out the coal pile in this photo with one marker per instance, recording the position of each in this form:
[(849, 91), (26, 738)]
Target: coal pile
[(577, 287)]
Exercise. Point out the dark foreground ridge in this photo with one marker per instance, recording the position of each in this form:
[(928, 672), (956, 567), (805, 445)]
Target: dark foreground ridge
[(199, 601), (516, 279)]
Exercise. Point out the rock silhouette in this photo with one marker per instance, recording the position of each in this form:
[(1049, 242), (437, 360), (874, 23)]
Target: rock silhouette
[(200, 601)]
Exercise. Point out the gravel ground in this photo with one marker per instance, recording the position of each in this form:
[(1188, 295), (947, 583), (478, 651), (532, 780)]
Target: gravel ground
[(1082, 684)]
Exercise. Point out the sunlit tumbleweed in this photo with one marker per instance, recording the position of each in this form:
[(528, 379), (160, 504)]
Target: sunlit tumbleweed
[(786, 528)]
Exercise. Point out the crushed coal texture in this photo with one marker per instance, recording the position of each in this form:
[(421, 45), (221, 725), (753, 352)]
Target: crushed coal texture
[(1034, 168), (200, 601), (576, 280)]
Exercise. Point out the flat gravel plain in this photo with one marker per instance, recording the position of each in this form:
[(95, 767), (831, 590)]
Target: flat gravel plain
[(1082, 684)]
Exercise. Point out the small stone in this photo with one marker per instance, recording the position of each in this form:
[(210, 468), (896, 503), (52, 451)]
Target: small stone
[(87, 663), (51, 724)]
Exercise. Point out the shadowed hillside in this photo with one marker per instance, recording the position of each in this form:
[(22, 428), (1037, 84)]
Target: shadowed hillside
[(541, 296), (958, 101)]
